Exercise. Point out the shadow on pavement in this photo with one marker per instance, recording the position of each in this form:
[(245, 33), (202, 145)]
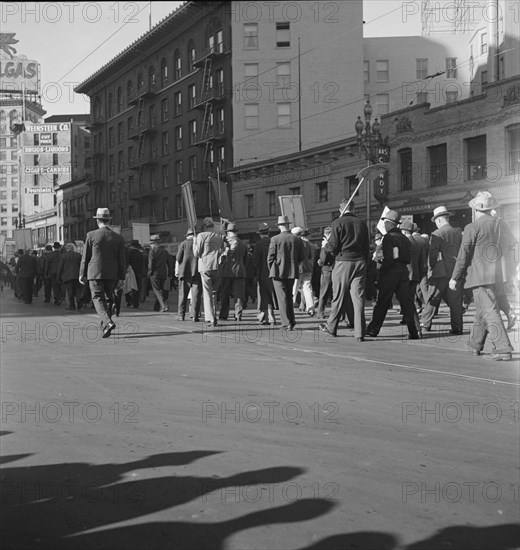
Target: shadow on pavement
[(51, 506)]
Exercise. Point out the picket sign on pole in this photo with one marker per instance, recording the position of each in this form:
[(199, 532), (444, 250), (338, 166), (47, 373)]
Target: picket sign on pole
[(365, 172)]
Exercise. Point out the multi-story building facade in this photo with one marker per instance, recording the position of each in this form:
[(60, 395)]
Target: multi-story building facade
[(214, 85), (444, 155)]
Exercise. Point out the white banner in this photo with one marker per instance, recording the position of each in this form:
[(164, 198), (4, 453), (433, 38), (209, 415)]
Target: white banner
[(36, 190), (47, 169), (46, 149)]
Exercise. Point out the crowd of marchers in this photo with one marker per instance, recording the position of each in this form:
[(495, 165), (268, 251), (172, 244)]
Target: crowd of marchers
[(285, 271)]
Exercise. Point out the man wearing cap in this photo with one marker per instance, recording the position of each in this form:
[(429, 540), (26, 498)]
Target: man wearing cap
[(485, 260), (444, 246), (233, 281), (285, 253), (26, 270), (189, 278), (52, 262), (158, 272), (350, 244), (393, 278), (266, 295), (414, 267), (137, 262), (103, 264), (208, 248)]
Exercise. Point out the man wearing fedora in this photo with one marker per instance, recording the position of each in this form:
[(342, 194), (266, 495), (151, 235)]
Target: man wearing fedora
[(393, 278), (486, 259), (233, 274), (136, 261), (208, 248), (445, 243), (158, 272), (103, 264), (189, 278), (52, 263), (26, 270), (266, 296), (414, 267), (285, 253)]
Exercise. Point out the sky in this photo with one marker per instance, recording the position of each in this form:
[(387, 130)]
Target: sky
[(72, 40)]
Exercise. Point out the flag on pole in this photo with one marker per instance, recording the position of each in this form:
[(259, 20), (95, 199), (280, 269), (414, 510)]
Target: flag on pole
[(189, 205)]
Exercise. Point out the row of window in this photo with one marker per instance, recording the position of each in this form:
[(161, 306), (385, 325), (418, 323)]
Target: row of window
[(282, 35), (8, 142), (421, 69), (14, 195), (3, 208), (4, 154), (439, 172)]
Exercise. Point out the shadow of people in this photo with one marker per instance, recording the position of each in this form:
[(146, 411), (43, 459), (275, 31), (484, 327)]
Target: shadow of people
[(67, 499), (197, 535), (361, 540)]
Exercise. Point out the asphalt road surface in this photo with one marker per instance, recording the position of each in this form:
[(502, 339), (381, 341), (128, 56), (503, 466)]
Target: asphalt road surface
[(168, 435)]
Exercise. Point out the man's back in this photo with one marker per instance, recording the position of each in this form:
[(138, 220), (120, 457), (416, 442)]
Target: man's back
[(286, 252), (446, 240), (186, 259), (103, 255), (208, 247), (158, 263), (69, 266), (349, 238), (236, 259)]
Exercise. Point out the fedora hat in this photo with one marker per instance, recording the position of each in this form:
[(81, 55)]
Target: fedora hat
[(406, 226), (483, 201), (135, 242), (297, 231), (441, 211), (56, 245), (190, 232), (392, 216), (103, 214), (155, 238), (283, 220), (208, 222), (263, 228)]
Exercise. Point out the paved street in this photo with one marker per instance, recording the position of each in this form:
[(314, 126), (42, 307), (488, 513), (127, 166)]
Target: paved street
[(168, 435)]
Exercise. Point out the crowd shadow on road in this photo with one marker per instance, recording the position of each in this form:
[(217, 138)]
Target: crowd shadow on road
[(53, 506)]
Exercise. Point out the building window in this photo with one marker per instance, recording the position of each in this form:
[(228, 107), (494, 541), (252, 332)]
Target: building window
[(36, 200), (250, 36), (484, 79), (438, 165), (55, 139), (178, 103), (192, 94), (151, 77), (283, 39), (166, 209), (119, 100), (177, 65), (283, 114), (164, 110), (178, 206), (111, 136), (219, 77), (421, 97), (120, 133), (140, 82), (110, 104), (452, 96), (36, 140), (220, 42), (451, 67), (251, 73), (405, 160), (193, 131), (513, 148), (350, 184), (36, 180), (120, 162), (250, 206), (129, 91), (164, 176), (164, 143), (211, 43), (191, 54), (283, 74), (178, 172), (421, 68), (295, 190), (322, 192), (251, 116), (271, 203), (111, 165), (382, 104), (193, 168), (164, 71), (178, 138), (382, 72), (153, 178), (366, 71), (476, 158), (220, 121), (483, 43)]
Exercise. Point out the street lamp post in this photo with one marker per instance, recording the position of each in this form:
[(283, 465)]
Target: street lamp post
[(368, 143)]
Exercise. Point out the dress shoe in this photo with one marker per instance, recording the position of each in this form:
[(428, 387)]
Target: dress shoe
[(371, 334), (180, 318), (414, 337), (107, 331), (287, 327), (403, 322), (499, 357), (165, 309), (349, 325), (361, 339), (323, 328), (456, 332), (196, 319), (311, 313), (425, 328), (211, 324)]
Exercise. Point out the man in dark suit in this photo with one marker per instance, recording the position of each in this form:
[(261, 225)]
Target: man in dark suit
[(414, 267), (445, 242), (189, 278), (52, 262), (285, 253), (26, 270), (266, 296), (103, 264), (137, 262), (158, 272), (68, 276), (326, 262)]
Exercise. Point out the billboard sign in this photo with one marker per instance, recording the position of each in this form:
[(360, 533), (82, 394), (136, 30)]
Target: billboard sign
[(37, 190), (39, 128), (294, 207), (36, 149), (47, 169)]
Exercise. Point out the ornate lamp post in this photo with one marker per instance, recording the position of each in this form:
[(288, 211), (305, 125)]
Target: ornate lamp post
[(368, 143)]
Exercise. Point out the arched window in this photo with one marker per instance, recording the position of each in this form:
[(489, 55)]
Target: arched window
[(110, 104), (164, 71), (191, 54), (96, 107), (140, 82), (119, 99), (129, 90), (151, 77), (14, 116), (177, 65)]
